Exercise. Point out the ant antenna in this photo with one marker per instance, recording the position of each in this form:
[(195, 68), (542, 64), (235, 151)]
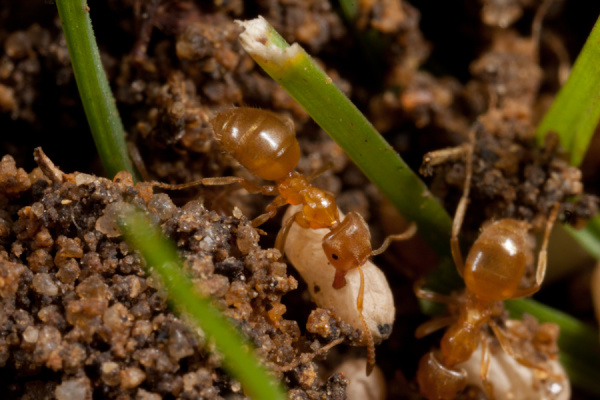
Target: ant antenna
[(368, 337), (407, 234), (536, 25)]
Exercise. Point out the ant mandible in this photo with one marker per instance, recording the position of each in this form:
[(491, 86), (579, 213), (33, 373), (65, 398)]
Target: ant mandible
[(265, 143), (492, 273)]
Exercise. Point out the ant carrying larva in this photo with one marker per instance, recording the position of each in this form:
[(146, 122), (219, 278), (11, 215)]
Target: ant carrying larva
[(265, 143), (492, 273)]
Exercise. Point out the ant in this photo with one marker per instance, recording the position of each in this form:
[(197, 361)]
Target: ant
[(492, 273), (265, 143)]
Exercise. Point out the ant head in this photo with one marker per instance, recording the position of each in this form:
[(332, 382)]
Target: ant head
[(348, 244), (260, 140)]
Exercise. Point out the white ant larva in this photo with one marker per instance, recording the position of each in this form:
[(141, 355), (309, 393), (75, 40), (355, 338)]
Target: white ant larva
[(304, 249)]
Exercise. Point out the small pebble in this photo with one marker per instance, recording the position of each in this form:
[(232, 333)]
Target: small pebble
[(43, 284), (74, 389), (131, 377)]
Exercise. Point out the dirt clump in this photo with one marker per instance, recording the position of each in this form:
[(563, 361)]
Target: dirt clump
[(80, 313)]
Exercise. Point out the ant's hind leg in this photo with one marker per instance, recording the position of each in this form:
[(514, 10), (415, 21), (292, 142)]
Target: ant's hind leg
[(504, 341), (250, 186), (486, 357), (434, 325), (283, 233), (218, 181), (542, 258), (536, 25), (462, 205), (428, 295)]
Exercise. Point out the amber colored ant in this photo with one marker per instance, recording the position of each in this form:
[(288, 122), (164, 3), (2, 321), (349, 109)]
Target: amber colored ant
[(492, 273), (265, 144)]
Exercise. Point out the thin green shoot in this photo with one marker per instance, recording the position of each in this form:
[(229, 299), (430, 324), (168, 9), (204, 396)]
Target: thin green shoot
[(96, 96), (310, 86), (161, 256)]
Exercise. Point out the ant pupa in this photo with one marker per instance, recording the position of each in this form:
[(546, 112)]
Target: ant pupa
[(492, 273), (265, 143)]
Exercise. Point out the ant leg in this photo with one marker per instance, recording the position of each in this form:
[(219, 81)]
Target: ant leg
[(319, 171), (407, 234), (250, 186), (434, 325), (136, 157), (431, 296), (437, 157), (536, 25), (283, 233), (542, 258), (222, 180), (595, 286), (305, 358), (507, 347), (368, 337), (520, 358), (47, 166), (462, 205), (486, 357), (271, 211), (557, 46)]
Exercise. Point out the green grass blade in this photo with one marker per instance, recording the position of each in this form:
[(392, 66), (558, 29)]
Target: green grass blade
[(308, 84), (161, 255), (575, 112), (578, 343), (574, 115), (96, 96)]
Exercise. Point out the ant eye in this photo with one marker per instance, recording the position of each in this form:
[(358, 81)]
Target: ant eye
[(334, 256)]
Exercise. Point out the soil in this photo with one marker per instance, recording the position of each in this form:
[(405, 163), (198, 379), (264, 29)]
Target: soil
[(80, 317)]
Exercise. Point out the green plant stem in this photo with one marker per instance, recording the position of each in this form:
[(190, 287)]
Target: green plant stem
[(161, 255), (96, 96), (310, 86), (579, 347), (575, 113)]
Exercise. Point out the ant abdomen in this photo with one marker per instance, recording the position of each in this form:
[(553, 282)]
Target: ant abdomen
[(437, 381), (497, 260), (262, 141)]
